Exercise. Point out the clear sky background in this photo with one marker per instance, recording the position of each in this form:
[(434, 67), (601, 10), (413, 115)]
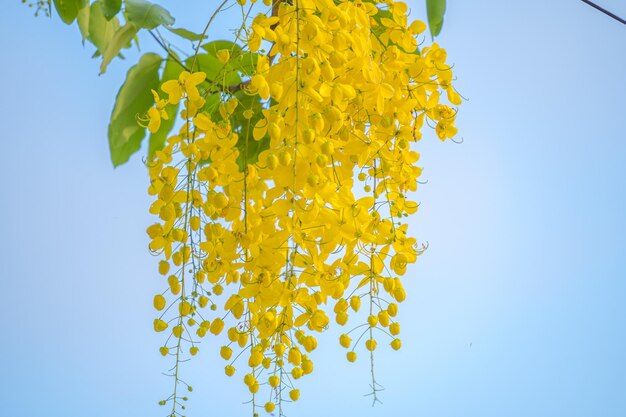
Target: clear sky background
[(517, 309)]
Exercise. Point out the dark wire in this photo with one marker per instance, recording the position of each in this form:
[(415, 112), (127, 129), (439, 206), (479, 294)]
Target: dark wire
[(606, 12)]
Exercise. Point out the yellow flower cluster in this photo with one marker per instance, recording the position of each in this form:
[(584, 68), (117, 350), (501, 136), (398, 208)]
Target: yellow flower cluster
[(311, 230)]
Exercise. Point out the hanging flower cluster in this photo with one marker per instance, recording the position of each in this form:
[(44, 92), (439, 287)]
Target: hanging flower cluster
[(282, 201)]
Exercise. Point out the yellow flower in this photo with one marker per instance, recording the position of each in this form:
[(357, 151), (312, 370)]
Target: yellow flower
[(249, 379), (383, 318), (259, 85), (154, 119), (226, 352), (445, 130), (370, 344), (217, 326), (392, 309), (396, 344), (417, 27), (255, 359), (164, 267), (223, 55), (159, 325), (279, 349), (295, 357), (274, 381), (177, 331), (296, 373), (159, 302), (259, 194), (307, 366), (294, 394), (184, 308), (187, 83), (398, 263)]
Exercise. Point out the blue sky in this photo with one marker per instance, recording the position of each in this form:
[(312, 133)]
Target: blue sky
[(518, 308)]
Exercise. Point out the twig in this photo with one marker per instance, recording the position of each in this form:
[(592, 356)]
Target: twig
[(238, 87), (169, 53), (204, 32)]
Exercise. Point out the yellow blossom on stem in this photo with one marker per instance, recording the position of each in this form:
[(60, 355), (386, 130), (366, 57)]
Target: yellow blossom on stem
[(282, 200)]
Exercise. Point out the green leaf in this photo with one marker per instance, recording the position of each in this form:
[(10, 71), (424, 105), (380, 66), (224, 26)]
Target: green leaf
[(134, 99), (212, 106), (240, 60), (122, 38), (187, 34), (147, 15), (378, 29), (214, 46), (101, 30), (245, 63), (435, 9), (83, 21), (157, 140), (111, 8), (68, 9), (249, 149), (216, 71)]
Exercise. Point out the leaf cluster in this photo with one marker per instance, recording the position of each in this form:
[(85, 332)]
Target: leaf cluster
[(113, 25)]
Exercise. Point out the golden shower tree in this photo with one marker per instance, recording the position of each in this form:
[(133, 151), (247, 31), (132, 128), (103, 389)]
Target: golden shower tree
[(282, 167)]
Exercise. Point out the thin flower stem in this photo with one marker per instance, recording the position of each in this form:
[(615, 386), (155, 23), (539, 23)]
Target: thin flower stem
[(168, 50), (204, 32)]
